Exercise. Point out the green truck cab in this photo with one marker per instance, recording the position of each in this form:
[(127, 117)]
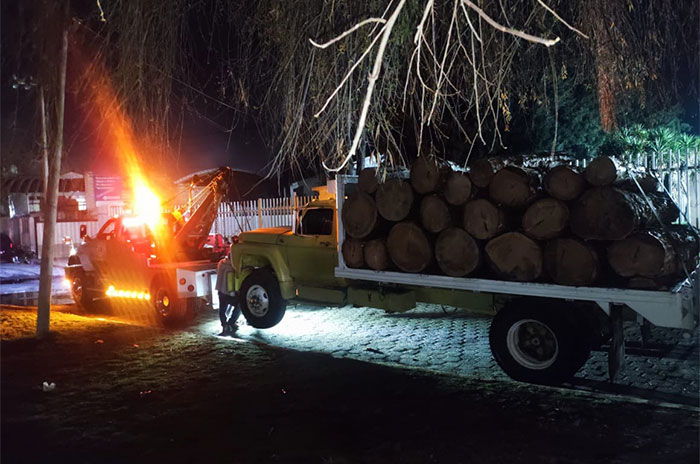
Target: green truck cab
[(269, 266)]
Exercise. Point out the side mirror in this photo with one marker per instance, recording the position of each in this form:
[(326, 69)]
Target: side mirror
[(83, 231)]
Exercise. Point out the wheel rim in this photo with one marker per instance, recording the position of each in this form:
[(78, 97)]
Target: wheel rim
[(258, 301), (77, 288), (532, 344), (163, 302)]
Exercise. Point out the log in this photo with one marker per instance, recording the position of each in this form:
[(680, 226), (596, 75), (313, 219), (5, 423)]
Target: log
[(352, 253), (376, 255), (394, 199), (608, 213), (457, 189), (482, 219), (434, 214), (571, 262), (545, 218), (514, 256), (359, 215), (601, 171), (425, 175), (654, 253), (513, 186), (481, 171), (367, 181), (409, 248), (456, 252), (563, 183)]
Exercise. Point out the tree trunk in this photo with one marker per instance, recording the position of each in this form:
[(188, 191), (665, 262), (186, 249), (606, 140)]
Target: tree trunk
[(563, 183), (514, 256), (376, 255), (601, 171), (51, 201), (482, 219), (425, 175), (44, 144), (359, 215), (608, 213), (571, 262), (655, 253), (409, 248), (513, 186), (394, 200), (434, 214), (353, 253), (456, 252), (545, 218), (481, 172), (458, 189), (367, 181)]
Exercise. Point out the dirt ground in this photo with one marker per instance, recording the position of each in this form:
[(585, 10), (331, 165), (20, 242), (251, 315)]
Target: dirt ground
[(130, 393)]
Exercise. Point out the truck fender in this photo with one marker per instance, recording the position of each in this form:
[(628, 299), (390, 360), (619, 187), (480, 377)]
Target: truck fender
[(245, 263)]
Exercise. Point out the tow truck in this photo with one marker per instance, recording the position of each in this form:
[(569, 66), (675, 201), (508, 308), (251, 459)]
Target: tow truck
[(164, 266)]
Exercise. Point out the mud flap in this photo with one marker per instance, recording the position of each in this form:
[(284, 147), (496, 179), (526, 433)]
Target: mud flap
[(616, 352)]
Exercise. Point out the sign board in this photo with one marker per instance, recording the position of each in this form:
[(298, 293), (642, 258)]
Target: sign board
[(108, 188)]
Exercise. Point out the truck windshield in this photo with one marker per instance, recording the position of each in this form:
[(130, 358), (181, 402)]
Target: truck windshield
[(317, 222)]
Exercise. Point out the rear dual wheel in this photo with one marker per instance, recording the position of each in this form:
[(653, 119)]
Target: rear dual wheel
[(169, 308), (538, 342)]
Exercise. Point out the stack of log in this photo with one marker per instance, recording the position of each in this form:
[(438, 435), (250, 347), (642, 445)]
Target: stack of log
[(533, 218)]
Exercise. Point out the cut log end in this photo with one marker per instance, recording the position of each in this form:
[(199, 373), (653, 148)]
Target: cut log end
[(563, 183), (512, 186), (376, 255), (359, 215), (458, 189), (545, 218), (353, 253), (571, 262), (456, 252), (367, 181), (514, 256), (481, 171), (394, 200), (409, 248), (434, 214), (482, 219), (425, 175), (601, 171)]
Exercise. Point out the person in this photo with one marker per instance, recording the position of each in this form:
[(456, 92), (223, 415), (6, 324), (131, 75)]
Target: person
[(229, 312)]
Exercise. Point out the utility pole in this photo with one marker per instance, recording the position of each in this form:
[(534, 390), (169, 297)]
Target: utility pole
[(51, 199)]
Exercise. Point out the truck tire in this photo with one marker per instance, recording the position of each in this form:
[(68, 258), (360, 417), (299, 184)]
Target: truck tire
[(261, 300), (537, 343), (170, 310), (85, 298)]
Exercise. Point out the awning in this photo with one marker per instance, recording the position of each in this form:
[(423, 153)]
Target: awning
[(35, 185)]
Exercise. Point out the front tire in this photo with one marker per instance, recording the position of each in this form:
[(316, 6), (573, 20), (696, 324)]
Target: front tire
[(536, 343), (261, 300), (85, 298), (170, 310)]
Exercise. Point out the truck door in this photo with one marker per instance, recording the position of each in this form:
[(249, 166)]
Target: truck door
[(312, 250)]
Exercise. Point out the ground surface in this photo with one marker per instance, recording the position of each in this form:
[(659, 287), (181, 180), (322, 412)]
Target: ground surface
[(132, 393)]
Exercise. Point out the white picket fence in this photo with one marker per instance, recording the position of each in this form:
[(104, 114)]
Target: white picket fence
[(241, 216), (679, 173)]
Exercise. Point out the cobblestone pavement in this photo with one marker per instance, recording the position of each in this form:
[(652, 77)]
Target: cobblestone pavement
[(666, 369)]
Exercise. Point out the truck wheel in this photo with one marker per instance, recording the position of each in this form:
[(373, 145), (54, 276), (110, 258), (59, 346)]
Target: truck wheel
[(170, 310), (261, 300), (535, 343), (85, 299)]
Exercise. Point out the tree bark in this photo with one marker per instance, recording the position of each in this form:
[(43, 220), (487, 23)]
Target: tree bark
[(545, 218), (409, 248), (571, 262), (394, 200), (434, 214), (563, 183), (482, 219), (367, 181), (456, 252), (514, 256), (359, 215), (353, 253), (458, 189), (51, 201), (376, 255), (513, 186), (425, 175)]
